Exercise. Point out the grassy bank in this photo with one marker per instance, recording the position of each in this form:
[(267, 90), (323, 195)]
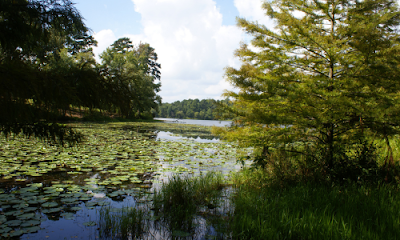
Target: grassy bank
[(260, 211), (308, 211)]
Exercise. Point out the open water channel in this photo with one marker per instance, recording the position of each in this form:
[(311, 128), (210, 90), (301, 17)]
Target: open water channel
[(49, 192)]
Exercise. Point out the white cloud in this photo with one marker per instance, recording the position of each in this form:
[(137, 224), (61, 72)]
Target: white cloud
[(252, 10), (192, 45), (104, 38)]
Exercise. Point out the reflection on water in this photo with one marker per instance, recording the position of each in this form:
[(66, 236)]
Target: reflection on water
[(161, 135), (216, 123)]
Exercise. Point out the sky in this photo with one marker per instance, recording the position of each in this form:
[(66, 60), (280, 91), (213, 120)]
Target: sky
[(194, 39)]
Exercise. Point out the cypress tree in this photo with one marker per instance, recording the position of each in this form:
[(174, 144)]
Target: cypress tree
[(326, 77)]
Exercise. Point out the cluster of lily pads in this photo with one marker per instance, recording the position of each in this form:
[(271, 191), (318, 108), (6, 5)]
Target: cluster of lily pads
[(115, 160)]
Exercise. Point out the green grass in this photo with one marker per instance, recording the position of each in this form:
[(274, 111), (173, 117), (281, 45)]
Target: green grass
[(123, 222), (177, 202), (260, 209), (307, 211)]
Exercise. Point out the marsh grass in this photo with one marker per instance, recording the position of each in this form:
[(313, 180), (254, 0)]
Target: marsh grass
[(313, 211), (123, 223), (177, 202)]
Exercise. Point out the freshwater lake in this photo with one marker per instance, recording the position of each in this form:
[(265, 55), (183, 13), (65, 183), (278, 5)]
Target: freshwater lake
[(48, 192), (209, 123)]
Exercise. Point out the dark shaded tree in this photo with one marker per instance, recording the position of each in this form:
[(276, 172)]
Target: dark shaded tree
[(32, 33)]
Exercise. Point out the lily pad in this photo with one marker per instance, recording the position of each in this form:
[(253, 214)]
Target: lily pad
[(51, 210), (13, 223), (5, 230), (26, 216), (103, 203), (30, 223), (16, 233), (49, 204), (32, 229)]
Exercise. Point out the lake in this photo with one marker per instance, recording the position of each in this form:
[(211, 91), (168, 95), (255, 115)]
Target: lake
[(48, 192), (172, 136), (216, 123)]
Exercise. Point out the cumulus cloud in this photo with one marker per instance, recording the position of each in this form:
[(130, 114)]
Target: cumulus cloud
[(252, 10), (104, 38), (192, 45)]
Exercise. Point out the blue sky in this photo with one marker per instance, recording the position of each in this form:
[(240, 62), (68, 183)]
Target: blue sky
[(194, 39)]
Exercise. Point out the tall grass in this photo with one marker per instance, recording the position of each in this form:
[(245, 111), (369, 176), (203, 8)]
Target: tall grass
[(313, 211), (177, 202), (185, 207), (123, 223)]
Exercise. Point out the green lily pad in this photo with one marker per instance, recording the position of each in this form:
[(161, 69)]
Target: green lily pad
[(2, 219), (29, 194), (14, 213), (51, 210), (49, 204), (103, 203), (5, 230), (13, 223), (30, 209), (26, 216), (35, 185), (90, 204), (85, 198), (30, 223), (20, 206), (69, 200), (32, 229)]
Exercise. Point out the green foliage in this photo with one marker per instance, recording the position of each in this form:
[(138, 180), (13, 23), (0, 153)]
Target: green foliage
[(325, 78), (133, 74), (122, 223), (34, 87), (181, 198), (307, 211), (47, 68), (191, 109)]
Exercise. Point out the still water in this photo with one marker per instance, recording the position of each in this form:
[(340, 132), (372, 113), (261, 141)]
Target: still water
[(26, 212), (196, 122), (170, 136)]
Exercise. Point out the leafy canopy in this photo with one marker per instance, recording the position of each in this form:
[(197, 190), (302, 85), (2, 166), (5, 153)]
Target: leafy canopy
[(325, 77), (33, 33), (134, 72)]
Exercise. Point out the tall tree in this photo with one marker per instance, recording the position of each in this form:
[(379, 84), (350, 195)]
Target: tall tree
[(135, 75), (32, 32), (324, 78)]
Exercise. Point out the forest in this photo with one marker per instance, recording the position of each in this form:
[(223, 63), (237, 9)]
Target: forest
[(48, 71), (191, 109)]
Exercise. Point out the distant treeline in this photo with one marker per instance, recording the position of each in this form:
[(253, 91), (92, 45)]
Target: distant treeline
[(190, 109)]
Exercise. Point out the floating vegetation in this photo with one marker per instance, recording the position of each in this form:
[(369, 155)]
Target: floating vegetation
[(117, 160)]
